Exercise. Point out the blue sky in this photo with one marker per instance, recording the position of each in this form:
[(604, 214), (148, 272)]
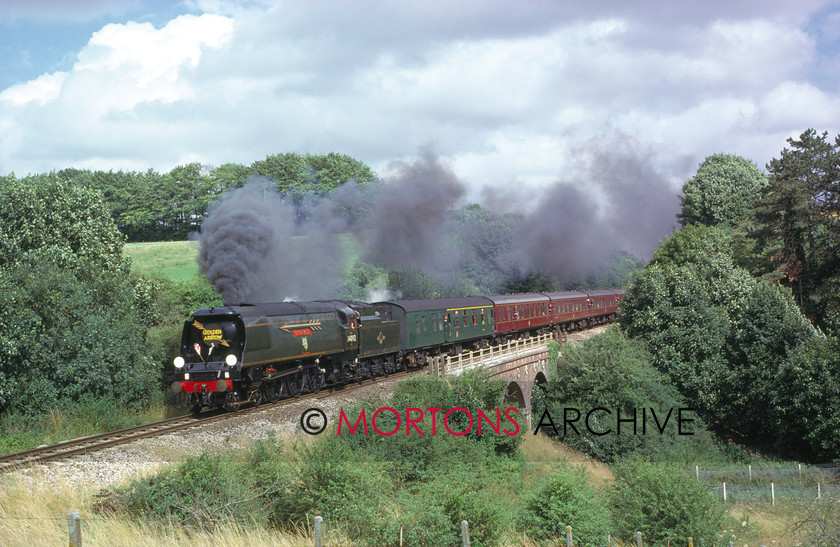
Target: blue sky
[(506, 93)]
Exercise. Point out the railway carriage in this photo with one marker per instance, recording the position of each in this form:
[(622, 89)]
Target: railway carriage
[(569, 308), (520, 314), (429, 327), (604, 304)]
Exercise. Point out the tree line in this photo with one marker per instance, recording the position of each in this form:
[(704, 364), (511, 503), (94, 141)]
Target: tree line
[(153, 206)]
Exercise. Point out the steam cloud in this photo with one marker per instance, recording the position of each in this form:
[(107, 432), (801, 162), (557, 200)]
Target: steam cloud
[(249, 251)]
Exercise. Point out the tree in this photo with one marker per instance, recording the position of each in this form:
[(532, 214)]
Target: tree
[(798, 220), (724, 190), (313, 172), (721, 335), (807, 395), (43, 212), (614, 372), (72, 318), (231, 175)]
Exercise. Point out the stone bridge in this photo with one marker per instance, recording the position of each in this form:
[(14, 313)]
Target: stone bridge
[(521, 363)]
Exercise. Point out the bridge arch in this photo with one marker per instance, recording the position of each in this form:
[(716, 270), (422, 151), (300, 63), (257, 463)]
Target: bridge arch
[(515, 396)]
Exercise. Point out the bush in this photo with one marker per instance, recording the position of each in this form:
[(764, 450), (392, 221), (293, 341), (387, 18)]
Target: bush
[(664, 503), (202, 492), (566, 499), (614, 372), (330, 479), (465, 494)]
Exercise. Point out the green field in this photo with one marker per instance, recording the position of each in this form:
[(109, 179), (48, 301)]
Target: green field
[(174, 259)]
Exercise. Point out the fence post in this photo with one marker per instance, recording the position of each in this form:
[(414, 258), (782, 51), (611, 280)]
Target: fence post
[(638, 539), (800, 473), (569, 542), (74, 527), (318, 541), (724, 492), (691, 542), (750, 473), (697, 471), (401, 529), (465, 533), (819, 493), (772, 494)]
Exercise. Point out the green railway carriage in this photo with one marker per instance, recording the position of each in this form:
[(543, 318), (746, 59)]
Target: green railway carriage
[(439, 322)]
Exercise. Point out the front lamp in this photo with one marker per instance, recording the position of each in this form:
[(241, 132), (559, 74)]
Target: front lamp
[(179, 362), (230, 360)]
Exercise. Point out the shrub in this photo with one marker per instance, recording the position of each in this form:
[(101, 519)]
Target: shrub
[(464, 494), (566, 499), (328, 478), (614, 372), (663, 503), (202, 491)]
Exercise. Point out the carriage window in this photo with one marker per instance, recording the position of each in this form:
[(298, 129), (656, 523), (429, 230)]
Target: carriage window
[(475, 319), (483, 318), (434, 322), (417, 325)]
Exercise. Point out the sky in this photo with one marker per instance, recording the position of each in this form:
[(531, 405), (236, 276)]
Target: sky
[(511, 94)]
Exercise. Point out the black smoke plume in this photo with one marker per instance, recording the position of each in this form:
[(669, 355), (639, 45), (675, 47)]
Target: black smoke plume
[(257, 245), (412, 215), (618, 203), (253, 249)]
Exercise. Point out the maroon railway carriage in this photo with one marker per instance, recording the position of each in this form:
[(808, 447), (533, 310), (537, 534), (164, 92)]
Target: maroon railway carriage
[(520, 312), (604, 304), (569, 307)]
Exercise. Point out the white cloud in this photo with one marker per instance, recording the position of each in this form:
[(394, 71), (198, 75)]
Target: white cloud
[(40, 90), (504, 95)]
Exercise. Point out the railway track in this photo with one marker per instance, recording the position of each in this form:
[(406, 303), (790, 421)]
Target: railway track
[(86, 445)]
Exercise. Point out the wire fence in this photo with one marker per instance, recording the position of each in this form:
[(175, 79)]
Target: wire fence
[(769, 482)]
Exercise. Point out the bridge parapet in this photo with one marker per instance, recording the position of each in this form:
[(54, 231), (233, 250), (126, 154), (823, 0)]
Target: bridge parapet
[(522, 363), (488, 358)]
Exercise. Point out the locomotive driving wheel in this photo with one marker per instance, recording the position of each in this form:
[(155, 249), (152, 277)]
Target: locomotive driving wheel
[(315, 379), (294, 384), (272, 390)]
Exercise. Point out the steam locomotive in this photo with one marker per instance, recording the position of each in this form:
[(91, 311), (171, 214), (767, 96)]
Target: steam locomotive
[(235, 355)]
